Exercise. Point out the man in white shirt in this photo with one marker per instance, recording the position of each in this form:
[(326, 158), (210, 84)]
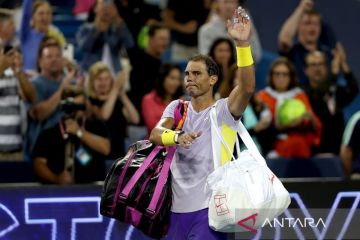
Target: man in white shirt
[(193, 160)]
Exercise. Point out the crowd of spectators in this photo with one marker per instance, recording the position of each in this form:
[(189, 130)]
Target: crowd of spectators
[(70, 113)]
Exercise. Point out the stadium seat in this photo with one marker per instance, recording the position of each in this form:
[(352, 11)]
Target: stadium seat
[(303, 167), (68, 25)]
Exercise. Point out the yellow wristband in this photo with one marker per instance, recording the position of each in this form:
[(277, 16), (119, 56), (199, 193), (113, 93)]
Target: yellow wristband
[(244, 57), (168, 138)]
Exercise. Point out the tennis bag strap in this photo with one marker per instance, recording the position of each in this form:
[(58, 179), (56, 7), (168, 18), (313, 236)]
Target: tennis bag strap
[(179, 120)]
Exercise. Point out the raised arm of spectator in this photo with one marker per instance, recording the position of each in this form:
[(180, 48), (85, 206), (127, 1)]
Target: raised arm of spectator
[(129, 111), (108, 107), (25, 26), (96, 142), (347, 93), (119, 32), (289, 28), (44, 109), (241, 94), (27, 89), (87, 36), (5, 62)]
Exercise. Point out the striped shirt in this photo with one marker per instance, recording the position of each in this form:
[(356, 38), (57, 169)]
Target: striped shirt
[(10, 120)]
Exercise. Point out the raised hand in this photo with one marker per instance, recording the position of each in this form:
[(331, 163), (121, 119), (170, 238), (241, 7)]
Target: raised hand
[(120, 80), (71, 126), (306, 5), (341, 51), (68, 78), (239, 26), (5, 61)]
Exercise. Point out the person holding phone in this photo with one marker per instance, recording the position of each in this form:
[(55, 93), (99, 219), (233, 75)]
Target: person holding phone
[(14, 88)]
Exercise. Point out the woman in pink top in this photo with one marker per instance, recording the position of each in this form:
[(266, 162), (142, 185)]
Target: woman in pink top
[(168, 88)]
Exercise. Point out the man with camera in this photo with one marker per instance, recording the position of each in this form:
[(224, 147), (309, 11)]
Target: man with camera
[(74, 150)]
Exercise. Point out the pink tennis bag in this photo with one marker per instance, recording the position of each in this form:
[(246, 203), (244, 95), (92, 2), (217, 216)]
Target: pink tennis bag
[(137, 189)]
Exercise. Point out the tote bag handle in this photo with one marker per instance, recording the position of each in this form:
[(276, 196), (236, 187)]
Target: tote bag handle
[(244, 135)]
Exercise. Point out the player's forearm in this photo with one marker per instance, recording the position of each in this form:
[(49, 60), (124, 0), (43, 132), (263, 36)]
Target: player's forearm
[(240, 95)]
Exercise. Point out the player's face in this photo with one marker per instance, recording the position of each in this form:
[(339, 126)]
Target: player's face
[(197, 80)]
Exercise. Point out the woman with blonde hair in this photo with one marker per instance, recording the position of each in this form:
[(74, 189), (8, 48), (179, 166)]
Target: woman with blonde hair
[(108, 101)]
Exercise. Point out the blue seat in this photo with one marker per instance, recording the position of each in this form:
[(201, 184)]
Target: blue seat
[(68, 26), (330, 166), (304, 167)]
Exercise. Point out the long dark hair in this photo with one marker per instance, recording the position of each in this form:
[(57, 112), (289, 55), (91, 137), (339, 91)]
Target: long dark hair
[(164, 71), (292, 72), (219, 41), (215, 44)]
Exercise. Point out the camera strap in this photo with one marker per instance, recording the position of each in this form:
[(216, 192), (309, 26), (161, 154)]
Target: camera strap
[(64, 134), (69, 151)]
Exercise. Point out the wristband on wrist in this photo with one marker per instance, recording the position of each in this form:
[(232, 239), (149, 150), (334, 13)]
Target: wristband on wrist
[(244, 56), (177, 135), (168, 137)]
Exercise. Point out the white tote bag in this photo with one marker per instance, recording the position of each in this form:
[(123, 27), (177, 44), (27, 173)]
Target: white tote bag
[(245, 192)]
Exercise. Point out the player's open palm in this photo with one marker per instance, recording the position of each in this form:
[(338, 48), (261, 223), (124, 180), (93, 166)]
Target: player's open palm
[(239, 26)]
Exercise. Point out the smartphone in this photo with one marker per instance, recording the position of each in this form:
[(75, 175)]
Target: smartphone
[(68, 52)]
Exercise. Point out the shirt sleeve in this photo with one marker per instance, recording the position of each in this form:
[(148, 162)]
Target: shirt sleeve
[(170, 109), (25, 27), (224, 114)]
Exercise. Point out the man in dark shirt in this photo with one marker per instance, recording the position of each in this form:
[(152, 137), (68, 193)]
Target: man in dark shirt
[(74, 150), (328, 99), (306, 24)]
